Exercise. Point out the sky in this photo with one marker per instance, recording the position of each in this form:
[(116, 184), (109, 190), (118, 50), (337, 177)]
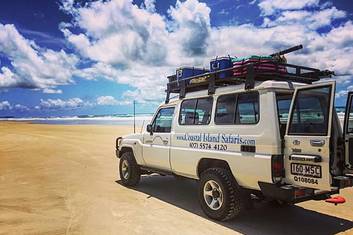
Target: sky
[(65, 58)]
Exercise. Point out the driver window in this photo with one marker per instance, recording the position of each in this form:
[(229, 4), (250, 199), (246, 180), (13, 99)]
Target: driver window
[(163, 121)]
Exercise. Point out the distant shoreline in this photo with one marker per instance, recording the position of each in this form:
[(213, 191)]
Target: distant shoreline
[(123, 120)]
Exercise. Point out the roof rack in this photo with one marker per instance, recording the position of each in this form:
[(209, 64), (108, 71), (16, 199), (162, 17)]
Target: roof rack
[(253, 73)]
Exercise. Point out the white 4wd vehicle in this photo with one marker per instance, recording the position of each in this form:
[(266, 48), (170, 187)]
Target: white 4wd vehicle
[(280, 140)]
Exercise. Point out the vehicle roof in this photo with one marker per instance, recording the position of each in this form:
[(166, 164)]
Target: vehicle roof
[(259, 85)]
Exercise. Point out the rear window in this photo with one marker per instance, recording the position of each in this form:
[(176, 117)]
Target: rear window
[(237, 109), (225, 111), (311, 112), (247, 108)]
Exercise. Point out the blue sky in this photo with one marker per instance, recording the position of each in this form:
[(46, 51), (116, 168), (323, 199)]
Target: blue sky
[(77, 57)]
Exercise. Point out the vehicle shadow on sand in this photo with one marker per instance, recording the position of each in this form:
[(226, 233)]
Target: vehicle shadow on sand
[(263, 219)]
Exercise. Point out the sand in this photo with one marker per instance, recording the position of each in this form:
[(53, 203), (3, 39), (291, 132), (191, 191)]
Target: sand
[(57, 179)]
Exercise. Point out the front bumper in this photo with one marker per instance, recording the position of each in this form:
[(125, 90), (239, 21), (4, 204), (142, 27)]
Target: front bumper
[(117, 143)]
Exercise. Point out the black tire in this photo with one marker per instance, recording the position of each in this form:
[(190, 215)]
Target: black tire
[(133, 176), (231, 205)]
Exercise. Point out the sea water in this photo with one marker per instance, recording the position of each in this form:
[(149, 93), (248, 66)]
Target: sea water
[(123, 120)]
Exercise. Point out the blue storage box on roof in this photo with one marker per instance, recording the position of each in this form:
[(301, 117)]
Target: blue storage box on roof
[(186, 72), (220, 63)]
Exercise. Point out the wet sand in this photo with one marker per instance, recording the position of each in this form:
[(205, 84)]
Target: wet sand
[(57, 179)]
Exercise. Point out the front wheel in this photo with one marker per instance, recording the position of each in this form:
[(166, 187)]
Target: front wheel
[(129, 170), (219, 194)]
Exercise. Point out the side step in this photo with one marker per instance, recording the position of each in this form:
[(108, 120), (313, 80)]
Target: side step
[(150, 170)]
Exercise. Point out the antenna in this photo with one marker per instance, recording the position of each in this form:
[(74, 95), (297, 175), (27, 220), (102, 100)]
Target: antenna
[(143, 123), (134, 116)]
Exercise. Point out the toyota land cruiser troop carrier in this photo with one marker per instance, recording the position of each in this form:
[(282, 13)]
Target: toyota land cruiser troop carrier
[(266, 135)]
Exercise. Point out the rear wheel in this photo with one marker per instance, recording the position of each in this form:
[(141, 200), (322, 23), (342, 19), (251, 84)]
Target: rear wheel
[(129, 170), (219, 194)]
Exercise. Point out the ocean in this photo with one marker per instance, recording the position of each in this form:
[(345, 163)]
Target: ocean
[(116, 119), (119, 119)]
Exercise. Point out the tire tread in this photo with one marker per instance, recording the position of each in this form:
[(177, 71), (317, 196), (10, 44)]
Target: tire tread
[(234, 205), (135, 174)]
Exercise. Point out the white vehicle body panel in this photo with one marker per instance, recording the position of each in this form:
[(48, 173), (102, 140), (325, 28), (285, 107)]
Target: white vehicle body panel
[(184, 160)]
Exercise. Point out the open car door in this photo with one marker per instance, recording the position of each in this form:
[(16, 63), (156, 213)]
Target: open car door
[(348, 134), (307, 139)]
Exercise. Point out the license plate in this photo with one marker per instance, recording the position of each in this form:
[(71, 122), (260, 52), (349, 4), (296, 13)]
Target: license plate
[(306, 170)]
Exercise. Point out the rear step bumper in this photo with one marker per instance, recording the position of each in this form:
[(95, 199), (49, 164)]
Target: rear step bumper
[(343, 181), (292, 194)]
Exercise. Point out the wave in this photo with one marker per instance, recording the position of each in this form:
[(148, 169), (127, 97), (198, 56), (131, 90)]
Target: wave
[(81, 117), (140, 120)]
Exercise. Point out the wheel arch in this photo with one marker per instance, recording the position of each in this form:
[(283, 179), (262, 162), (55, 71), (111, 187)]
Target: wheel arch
[(125, 149), (206, 163)]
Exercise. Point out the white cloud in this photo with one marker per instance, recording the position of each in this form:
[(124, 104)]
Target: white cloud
[(343, 93), (21, 108), (107, 100), (311, 19), (269, 7), (5, 105), (150, 5), (72, 103), (31, 65), (191, 26), (139, 47), (52, 91), (7, 78)]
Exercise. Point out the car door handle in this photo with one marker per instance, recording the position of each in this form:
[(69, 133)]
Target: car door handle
[(148, 141), (317, 143)]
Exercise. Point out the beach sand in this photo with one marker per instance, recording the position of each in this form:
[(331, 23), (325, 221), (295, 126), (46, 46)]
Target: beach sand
[(57, 179)]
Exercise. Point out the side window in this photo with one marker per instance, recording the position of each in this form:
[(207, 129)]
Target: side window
[(225, 110), (311, 112), (196, 111), (237, 109), (163, 121), (247, 108), (203, 111)]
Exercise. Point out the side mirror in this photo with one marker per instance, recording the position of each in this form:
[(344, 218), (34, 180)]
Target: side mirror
[(149, 128)]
